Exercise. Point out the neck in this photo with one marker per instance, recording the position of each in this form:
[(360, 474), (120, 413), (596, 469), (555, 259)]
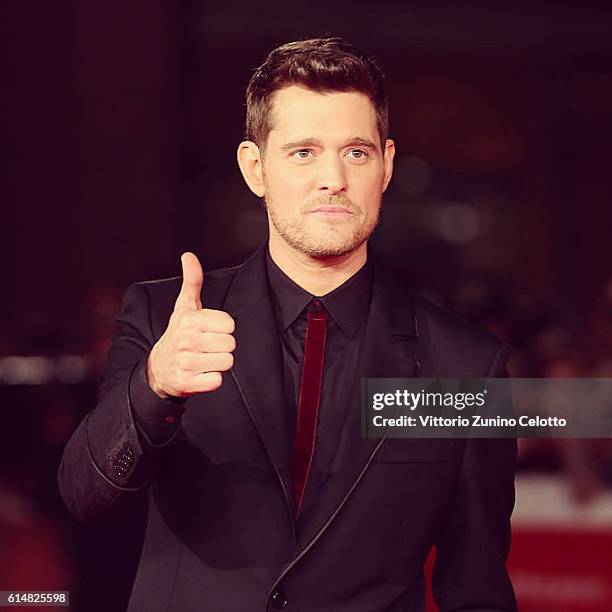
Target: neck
[(317, 275)]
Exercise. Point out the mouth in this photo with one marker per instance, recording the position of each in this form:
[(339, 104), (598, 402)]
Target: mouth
[(332, 211)]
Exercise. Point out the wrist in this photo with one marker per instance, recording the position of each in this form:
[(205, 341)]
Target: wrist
[(151, 380)]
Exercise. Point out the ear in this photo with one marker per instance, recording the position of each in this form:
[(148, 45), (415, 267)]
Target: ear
[(388, 155), (251, 166)]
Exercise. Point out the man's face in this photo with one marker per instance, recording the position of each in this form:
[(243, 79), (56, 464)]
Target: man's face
[(324, 171)]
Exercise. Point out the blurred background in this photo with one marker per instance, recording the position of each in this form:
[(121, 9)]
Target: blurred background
[(120, 124)]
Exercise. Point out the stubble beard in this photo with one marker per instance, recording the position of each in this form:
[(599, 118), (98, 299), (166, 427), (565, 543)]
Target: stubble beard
[(323, 238)]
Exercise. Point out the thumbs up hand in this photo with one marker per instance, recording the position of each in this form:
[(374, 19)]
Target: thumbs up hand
[(197, 344)]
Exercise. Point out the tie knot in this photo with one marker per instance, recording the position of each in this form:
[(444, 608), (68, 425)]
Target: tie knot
[(316, 311), (316, 306)]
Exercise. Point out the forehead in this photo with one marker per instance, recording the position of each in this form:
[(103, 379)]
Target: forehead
[(298, 112)]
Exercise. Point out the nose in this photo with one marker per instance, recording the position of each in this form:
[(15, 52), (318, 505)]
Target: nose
[(332, 177)]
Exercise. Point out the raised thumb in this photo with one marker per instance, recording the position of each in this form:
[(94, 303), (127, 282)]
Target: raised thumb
[(193, 279)]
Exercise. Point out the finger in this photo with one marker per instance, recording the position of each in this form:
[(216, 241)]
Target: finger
[(203, 382), (208, 342), (193, 279), (210, 320), (205, 362)]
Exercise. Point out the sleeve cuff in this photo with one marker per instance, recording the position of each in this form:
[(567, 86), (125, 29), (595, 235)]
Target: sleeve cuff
[(158, 418)]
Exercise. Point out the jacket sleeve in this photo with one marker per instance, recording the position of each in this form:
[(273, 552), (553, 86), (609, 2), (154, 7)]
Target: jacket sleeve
[(470, 569), (109, 458)]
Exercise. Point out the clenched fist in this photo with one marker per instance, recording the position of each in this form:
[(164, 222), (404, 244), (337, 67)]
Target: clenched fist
[(197, 344)]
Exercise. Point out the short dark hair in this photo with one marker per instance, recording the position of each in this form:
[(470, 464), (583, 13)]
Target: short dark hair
[(320, 64)]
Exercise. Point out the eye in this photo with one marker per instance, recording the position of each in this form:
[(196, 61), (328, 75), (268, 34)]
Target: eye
[(357, 154), (302, 153)]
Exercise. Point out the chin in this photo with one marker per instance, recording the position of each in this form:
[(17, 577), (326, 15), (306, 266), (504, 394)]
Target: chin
[(324, 240), (329, 248)]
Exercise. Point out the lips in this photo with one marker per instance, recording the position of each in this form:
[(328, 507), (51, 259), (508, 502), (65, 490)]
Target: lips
[(329, 209)]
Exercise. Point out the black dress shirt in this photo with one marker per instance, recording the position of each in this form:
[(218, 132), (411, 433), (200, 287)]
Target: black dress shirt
[(347, 307)]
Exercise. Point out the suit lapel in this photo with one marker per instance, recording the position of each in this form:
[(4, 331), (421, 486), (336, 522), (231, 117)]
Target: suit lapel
[(390, 350), (258, 365)]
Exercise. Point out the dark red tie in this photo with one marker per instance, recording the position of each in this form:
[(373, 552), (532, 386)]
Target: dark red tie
[(310, 395)]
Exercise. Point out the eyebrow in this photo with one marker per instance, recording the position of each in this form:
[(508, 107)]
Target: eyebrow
[(362, 142), (305, 142), (314, 142)]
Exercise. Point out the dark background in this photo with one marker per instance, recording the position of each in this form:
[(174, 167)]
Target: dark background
[(120, 123)]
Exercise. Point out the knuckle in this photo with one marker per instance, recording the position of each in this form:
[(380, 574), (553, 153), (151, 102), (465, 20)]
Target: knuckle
[(221, 362), (177, 317), (183, 343), (214, 380)]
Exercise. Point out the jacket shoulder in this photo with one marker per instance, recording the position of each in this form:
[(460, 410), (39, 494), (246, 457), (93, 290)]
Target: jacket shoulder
[(214, 281), (458, 347), (162, 293)]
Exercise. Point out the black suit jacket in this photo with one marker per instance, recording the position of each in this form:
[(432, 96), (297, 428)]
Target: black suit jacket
[(220, 534)]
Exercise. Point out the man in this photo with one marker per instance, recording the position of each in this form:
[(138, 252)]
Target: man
[(233, 399)]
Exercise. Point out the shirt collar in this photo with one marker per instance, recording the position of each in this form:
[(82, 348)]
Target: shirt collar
[(347, 304)]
